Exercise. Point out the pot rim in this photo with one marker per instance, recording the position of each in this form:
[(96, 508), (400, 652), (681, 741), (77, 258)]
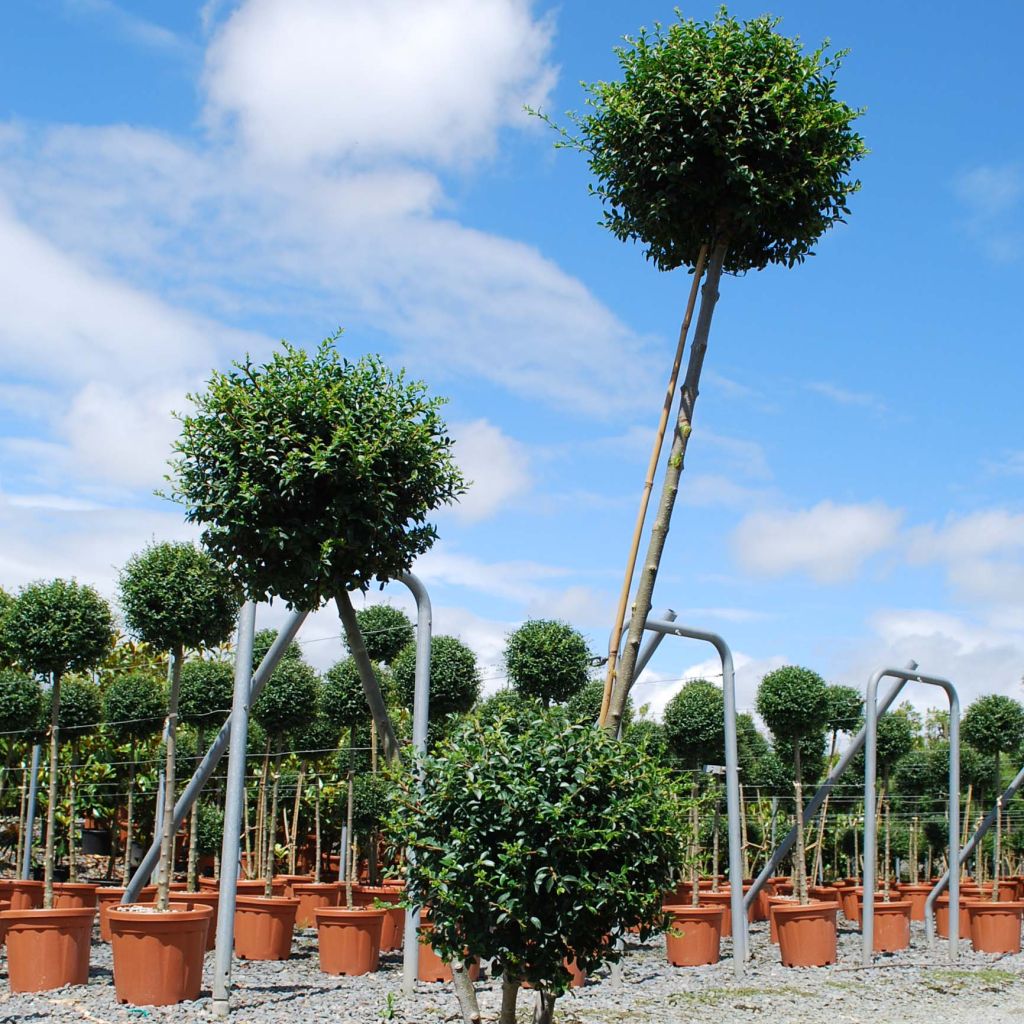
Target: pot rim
[(265, 902), (37, 914), (815, 907), (196, 913), (701, 910)]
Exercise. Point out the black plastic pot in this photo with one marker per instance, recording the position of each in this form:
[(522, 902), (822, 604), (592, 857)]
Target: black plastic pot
[(96, 842)]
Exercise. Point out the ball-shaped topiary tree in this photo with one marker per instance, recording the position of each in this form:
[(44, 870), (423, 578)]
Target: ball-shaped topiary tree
[(722, 146), (570, 837), (313, 476), (994, 724), (454, 676), (57, 627), (134, 705), (547, 659), (695, 724), (261, 643), (176, 598), (385, 631), (20, 701), (343, 700), (793, 702), (8, 656)]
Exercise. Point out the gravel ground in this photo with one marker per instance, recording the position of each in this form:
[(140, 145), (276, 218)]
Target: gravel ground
[(914, 986)]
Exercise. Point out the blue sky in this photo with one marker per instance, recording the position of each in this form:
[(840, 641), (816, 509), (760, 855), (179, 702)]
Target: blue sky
[(183, 183)]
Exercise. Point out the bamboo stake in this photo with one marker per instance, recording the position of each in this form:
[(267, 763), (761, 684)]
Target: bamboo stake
[(645, 497)]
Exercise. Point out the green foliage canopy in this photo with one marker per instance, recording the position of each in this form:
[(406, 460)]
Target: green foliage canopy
[(342, 696), (20, 702), (845, 709), (312, 475), (385, 629), (134, 705), (262, 642), (547, 659), (206, 693), (695, 724), (994, 724), (720, 131), (535, 840), (585, 704), (793, 702), (174, 595), (454, 676), (59, 626), (81, 708), (288, 699)]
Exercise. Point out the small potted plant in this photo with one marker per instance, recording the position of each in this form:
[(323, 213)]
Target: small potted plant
[(56, 627), (176, 598)]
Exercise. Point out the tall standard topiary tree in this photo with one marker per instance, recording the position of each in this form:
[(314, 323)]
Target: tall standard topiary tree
[(58, 627), (793, 702), (454, 676), (134, 706), (313, 476), (176, 598), (994, 724), (724, 141), (547, 659)]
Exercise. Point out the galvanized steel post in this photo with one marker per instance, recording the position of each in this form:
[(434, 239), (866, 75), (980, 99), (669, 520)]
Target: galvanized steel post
[(30, 814)]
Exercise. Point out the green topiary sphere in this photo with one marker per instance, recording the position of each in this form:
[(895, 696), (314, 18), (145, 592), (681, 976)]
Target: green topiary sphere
[(454, 677), (547, 659)]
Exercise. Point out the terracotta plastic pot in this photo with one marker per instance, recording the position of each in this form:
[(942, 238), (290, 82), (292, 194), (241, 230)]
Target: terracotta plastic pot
[(5, 889), (158, 955), (25, 894), (892, 924), (694, 935), (916, 895), (398, 883), (995, 927), (4, 905), (1007, 890), (394, 915), (312, 896), (431, 966), (773, 902), (209, 884), (288, 881), (194, 900), (807, 934), (349, 940), (824, 893), (110, 896), (577, 978), (258, 886), (942, 918), (48, 948), (263, 928), (71, 895), (784, 888), (723, 898)]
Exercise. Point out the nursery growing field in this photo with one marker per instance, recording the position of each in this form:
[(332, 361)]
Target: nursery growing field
[(917, 986)]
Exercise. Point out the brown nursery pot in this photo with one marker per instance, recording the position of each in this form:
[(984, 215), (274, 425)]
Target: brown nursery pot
[(995, 927), (158, 955), (72, 895), (694, 935), (1007, 890), (431, 966), (5, 889), (916, 895), (25, 894), (287, 881), (398, 883), (773, 902), (257, 887), (824, 893), (942, 917), (48, 948), (807, 934), (723, 898), (209, 884), (349, 940), (4, 905), (312, 896), (892, 924), (109, 896), (394, 918), (194, 900), (263, 928), (577, 977)]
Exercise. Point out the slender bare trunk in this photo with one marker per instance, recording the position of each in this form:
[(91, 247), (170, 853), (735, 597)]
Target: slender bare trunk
[(745, 852), (167, 830), (465, 993), (51, 805), (645, 497), (293, 845), (268, 868), (351, 838), (371, 687), (670, 487), (509, 995), (72, 815), (999, 848), (799, 854), (129, 824), (261, 814), (887, 873), (192, 878), (694, 843), (248, 832), (544, 1007), (715, 828), (22, 810)]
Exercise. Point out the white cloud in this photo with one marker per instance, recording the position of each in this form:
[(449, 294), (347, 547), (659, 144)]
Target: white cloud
[(496, 466), (991, 195), (309, 80), (844, 396), (828, 542), (712, 490), (518, 581)]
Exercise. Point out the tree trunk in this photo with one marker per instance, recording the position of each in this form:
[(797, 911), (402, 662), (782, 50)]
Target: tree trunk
[(129, 824), (316, 830), (248, 831), (465, 993), (261, 814), (351, 855), (670, 487), (509, 995), (694, 843), (887, 873), (22, 811), (72, 845), (268, 868), (294, 844), (51, 805), (799, 855), (715, 829), (615, 638), (544, 1007), (371, 688), (997, 855), (192, 877), (745, 851), (167, 829)]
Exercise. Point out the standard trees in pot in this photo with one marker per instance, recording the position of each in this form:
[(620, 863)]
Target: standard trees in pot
[(535, 840), (55, 627), (20, 703)]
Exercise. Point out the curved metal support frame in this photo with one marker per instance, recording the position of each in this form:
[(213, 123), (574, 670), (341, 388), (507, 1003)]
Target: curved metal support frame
[(732, 781), (824, 789), (871, 825)]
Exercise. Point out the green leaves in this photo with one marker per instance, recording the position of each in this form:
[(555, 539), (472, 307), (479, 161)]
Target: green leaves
[(454, 676), (547, 659), (793, 702), (994, 724), (535, 837), (311, 474), (134, 706), (721, 130), (20, 702), (206, 692), (695, 724), (173, 594)]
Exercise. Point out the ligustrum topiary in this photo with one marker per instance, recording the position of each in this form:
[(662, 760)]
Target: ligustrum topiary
[(547, 659), (454, 676)]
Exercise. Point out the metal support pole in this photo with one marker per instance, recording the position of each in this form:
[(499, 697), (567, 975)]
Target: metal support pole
[(343, 855), (824, 789), (234, 799), (212, 757), (652, 643), (420, 716), (732, 781), (30, 814), (156, 870), (870, 824)]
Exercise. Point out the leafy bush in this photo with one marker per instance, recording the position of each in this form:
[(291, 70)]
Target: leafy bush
[(535, 840), (585, 704), (793, 702), (370, 796), (454, 677), (547, 659), (344, 701), (288, 699), (134, 706), (81, 708), (845, 709), (211, 829), (207, 692), (20, 702), (385, 629)]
